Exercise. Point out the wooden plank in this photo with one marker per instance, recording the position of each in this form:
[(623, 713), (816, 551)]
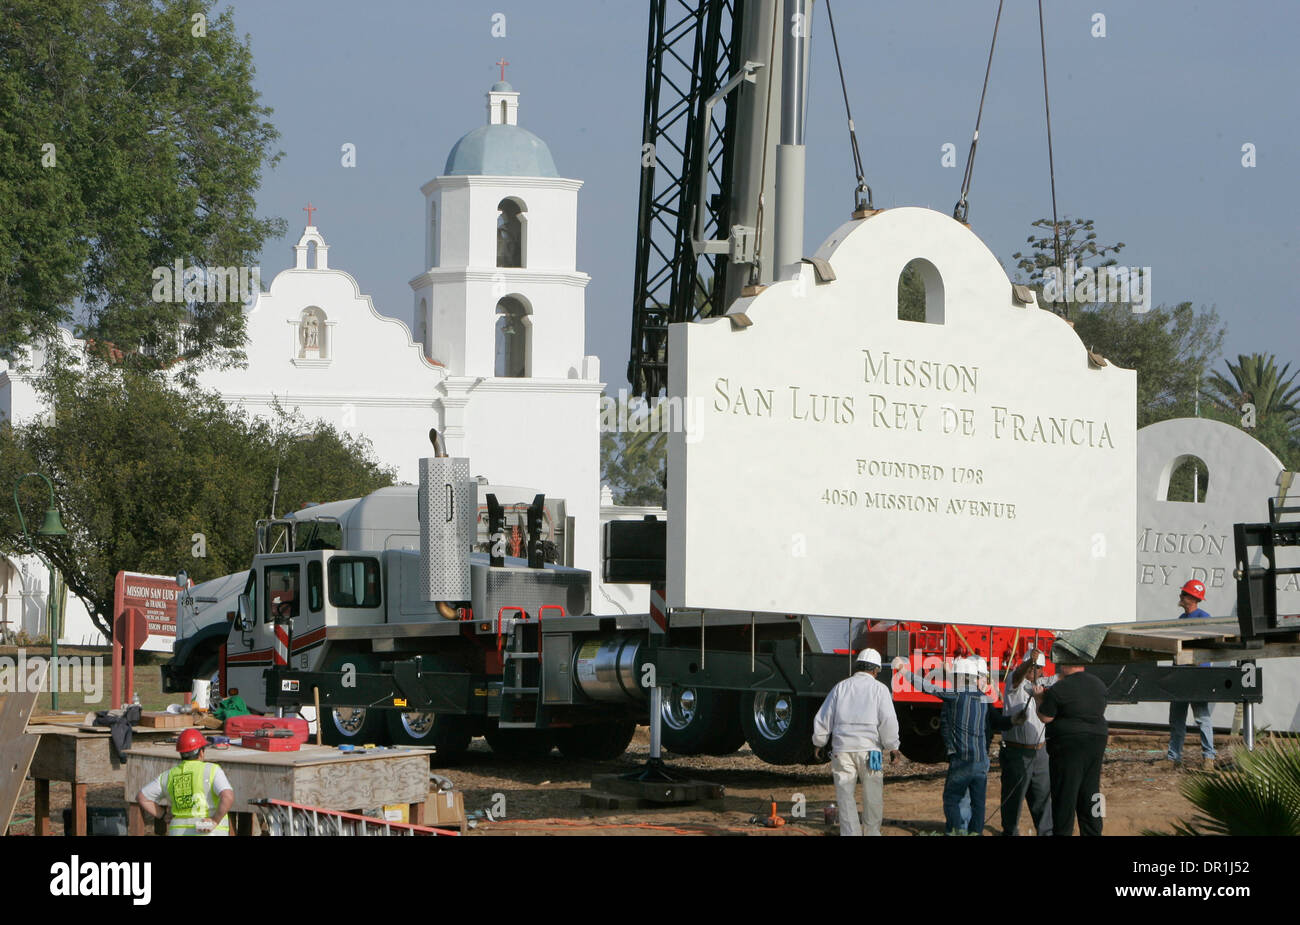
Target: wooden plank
[(1143, 643), (41, 812), (16, 751)]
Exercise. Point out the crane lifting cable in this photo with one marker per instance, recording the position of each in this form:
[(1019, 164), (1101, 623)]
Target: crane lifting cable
[(962, 209), (1051, 166), (859, 204)]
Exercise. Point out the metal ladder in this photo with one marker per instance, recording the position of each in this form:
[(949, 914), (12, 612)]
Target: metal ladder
[(521, 693), (280, 817)]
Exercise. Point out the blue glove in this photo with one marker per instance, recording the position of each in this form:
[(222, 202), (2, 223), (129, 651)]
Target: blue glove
[(875, 761)]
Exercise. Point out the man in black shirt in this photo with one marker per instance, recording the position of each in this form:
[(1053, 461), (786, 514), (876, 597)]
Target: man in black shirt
[(1074, 709)]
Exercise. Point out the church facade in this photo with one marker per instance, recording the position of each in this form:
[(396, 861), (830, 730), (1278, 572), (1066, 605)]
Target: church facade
[(493, 355)]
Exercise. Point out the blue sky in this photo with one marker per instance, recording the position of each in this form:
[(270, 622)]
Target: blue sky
[(1148, 126)]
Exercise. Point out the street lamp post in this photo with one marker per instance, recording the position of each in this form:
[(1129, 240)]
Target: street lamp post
[(51, 526)]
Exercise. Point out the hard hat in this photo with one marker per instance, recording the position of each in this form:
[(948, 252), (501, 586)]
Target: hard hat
[(191, 740), (1037, 657), (869, 657), (1195, 588)]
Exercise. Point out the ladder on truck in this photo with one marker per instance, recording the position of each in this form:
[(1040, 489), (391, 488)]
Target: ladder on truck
[(519, 641), (280, 817)]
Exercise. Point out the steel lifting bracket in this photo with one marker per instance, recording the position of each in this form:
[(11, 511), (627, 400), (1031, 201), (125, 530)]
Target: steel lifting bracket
[(741, 240)]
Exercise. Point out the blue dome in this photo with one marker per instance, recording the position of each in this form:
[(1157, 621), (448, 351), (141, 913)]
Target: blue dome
[(502, 87), (500, 151)]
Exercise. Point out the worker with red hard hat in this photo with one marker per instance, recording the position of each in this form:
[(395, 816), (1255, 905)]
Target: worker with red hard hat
[(198, 792), (1189, 598)]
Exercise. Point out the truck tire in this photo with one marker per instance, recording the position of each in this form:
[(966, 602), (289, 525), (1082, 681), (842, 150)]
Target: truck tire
[(353, 725), (918, 733), (447, 733), (699, 721), (778, 726), (596, 741), (520, 744)]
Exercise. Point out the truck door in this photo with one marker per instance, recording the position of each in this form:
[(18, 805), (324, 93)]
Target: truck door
[(274, 595)]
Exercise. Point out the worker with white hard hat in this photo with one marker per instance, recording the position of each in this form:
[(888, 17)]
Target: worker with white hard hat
[(858, 720), (1023, 757), (964, 726)]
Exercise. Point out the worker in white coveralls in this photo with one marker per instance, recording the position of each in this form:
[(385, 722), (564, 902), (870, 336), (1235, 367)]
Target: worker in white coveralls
[(859, 722), (197, 791)]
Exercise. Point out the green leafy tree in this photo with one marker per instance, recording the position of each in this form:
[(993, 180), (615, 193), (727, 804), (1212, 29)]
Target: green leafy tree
[(1078, 243), (145, 475), (1170, 348), (633, 460), (130, 137)]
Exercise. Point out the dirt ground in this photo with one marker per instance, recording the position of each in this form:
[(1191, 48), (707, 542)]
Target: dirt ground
[(543, 797)]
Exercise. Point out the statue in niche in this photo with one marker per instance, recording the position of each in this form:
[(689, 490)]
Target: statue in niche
[(309, 332)]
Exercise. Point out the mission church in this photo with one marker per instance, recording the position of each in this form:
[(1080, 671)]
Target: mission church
[(493, 357)]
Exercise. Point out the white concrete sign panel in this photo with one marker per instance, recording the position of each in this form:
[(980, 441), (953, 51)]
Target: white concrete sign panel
[(976, 467), (1181, 540)]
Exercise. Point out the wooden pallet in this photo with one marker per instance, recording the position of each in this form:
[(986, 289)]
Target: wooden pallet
[(1187, 642)]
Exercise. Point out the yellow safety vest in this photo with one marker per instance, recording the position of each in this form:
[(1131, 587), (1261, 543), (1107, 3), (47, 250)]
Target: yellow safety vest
[(188, 787)]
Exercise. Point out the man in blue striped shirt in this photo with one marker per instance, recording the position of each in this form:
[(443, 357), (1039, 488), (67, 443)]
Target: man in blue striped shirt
[(964, 726)]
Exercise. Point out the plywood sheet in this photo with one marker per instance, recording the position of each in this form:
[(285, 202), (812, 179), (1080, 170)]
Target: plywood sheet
[(16, 750)]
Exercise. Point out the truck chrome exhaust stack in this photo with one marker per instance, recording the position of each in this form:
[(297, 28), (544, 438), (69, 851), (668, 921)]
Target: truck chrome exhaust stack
[(448, 503)]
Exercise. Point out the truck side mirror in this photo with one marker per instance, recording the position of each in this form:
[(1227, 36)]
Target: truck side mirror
[(245, 618)]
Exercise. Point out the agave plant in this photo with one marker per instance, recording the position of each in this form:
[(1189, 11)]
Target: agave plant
[(1260, 797)]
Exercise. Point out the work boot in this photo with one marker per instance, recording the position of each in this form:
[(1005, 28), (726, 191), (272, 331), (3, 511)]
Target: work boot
[(1208, 764)]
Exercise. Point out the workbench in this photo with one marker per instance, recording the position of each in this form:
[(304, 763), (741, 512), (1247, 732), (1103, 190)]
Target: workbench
[(82, 758), (315, 776)]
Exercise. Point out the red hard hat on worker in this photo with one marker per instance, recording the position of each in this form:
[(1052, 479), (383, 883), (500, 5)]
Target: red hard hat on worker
[(1195, 589), (191, 740)]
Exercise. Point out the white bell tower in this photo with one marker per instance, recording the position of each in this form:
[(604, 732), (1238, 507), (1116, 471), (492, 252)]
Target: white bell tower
[(501, 295)]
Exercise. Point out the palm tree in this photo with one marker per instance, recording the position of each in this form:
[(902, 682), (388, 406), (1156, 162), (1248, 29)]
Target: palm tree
[(1256, 379), (1260, 797)]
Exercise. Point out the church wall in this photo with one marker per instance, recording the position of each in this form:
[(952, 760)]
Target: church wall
[(519, 434)]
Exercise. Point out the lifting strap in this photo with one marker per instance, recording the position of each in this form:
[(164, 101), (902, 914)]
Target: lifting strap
[(859, 204), (962, 209)]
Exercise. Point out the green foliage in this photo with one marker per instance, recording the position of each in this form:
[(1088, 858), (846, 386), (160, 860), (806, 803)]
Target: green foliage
[(911, 294), (633, 460), (1260, 797), (1256, 380), (1078, 241), (139, 467), (158, 140), (1170, 348)]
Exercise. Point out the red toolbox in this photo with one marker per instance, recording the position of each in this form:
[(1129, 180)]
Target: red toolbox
[(245, 727), (266, 743)]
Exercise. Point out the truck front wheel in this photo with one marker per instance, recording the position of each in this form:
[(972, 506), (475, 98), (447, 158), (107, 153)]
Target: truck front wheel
[(778, 726)]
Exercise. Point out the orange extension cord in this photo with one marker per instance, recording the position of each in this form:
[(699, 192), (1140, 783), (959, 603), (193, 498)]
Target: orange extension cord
[(552, 823)]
